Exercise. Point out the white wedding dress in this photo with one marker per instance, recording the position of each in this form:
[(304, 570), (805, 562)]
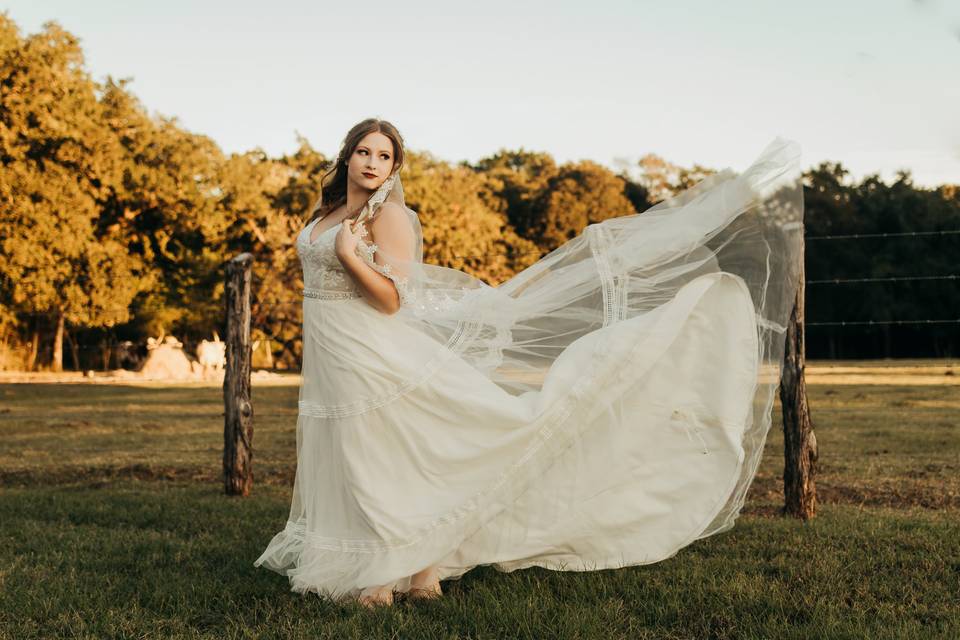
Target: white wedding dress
[(605, 407)]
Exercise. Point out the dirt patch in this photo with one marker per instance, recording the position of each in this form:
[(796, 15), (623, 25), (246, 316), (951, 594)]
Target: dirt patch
[(103, 476), (901, 495), (259, 377), (883, 373)]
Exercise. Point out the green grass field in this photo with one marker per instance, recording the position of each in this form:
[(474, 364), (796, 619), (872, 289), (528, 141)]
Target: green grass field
[(113, 525)]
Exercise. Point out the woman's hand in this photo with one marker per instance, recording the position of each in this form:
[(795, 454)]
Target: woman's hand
[(345, 244)]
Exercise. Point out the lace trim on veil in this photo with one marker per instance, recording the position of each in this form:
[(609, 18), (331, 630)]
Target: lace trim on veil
[(402, 283), (614, 286)]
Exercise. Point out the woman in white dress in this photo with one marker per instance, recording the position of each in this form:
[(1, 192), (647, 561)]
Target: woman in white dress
[(605, 407)]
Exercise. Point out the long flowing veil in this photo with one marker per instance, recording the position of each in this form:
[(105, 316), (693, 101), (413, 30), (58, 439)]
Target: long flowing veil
[(748, 225)]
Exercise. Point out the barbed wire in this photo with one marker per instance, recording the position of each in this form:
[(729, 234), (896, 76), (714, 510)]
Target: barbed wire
[(195, 343), (112, 347), (869, 322), (808, 324), (884, 279), (896, 234), (512, 254)]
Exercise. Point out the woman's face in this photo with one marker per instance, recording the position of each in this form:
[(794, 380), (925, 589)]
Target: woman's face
[(372, 161)]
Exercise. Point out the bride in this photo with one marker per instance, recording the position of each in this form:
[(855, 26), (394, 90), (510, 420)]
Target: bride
[(605, 407)]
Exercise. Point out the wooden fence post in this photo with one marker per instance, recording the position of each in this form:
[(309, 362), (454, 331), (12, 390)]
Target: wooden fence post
[(238, 410), (799, 442)]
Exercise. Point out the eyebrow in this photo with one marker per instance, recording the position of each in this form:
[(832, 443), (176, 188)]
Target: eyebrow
[(363, 146)]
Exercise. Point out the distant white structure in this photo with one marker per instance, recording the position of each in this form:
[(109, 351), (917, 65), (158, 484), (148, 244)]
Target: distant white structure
[(166, 360), (212, 355)]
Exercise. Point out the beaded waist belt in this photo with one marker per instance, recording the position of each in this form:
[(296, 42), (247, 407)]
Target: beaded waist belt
[(330, 294)]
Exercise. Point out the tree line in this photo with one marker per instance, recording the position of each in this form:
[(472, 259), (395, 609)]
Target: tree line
[(115, 225)]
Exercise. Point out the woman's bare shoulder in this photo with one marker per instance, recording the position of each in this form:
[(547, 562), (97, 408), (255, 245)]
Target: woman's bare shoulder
[(391, 210), (391, 219)]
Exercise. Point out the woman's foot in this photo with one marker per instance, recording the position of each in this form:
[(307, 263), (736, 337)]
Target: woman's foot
[(379, 597), (425, 593), (425, 585)]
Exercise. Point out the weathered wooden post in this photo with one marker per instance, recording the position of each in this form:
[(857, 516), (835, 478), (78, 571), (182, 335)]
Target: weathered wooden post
[(238, 409), (799, 442)]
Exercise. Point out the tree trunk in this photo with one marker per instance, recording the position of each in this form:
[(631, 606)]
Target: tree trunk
[(57, 364), (799, 442), (238, 410), (34, 346), (106, 350), (74, 350)]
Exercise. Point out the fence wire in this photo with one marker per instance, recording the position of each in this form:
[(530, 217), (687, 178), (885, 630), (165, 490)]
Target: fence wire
[(283, 304)]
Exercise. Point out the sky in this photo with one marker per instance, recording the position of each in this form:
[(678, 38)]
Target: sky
[(873, 84)]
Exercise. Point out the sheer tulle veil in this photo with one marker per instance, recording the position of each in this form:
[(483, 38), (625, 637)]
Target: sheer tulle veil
[(742, 226)]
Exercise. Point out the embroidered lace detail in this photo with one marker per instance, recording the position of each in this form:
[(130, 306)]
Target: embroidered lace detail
[(402, 283), (372, 206), (429, 300), (439, 301), (322, 270), (325, 294)]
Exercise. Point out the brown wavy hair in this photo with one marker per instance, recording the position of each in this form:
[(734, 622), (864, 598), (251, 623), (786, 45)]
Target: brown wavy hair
[(333, 184)]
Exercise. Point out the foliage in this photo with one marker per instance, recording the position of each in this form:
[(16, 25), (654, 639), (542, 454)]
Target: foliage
[(836, 207), (60, 164), (116, 224)]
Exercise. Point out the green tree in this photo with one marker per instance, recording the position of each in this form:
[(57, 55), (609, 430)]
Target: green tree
[(169, 203), (580, 193), (59, 162), (515, 183), (460, 230)]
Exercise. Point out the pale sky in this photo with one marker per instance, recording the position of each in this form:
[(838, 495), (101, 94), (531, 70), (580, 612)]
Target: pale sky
[(874, 84)]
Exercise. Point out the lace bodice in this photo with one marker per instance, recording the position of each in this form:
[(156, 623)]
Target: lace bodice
[(325, 277), (322, 270)]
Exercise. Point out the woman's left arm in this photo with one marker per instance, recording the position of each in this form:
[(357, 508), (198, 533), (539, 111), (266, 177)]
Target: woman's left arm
[(393, 236)]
